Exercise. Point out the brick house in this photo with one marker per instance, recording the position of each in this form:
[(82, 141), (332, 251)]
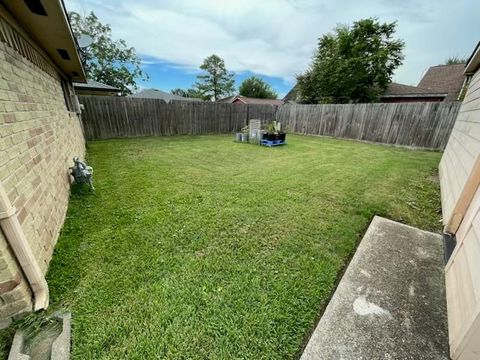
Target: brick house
[(40, 132)]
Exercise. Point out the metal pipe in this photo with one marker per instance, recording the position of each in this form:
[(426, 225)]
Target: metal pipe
[(21, 248)]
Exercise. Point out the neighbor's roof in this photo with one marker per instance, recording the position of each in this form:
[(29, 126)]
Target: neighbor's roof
[(292, 94), (227, 99), (248, 100), (95, 85), (401, 90), (47, 23), (441, 80), (159, 94), (444, 78)]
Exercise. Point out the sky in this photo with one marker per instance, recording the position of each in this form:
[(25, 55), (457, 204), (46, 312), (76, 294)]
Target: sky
[(275, 39)]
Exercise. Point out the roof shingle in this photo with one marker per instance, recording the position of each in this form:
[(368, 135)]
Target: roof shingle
[(159, 94), (444, 78), (94, 85), (401, 89), (248, 100)]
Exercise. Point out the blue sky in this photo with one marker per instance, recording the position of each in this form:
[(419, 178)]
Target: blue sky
[(275, 39), (168, 76)]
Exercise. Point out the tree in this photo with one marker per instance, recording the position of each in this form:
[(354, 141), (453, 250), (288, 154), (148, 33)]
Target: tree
[(216, 81), (188, 93), (108, 61), (353, 64), (257, 88), (179, 92), (452, 60)]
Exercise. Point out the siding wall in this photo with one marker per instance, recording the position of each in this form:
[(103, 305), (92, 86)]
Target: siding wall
[(459, 180), (460, 157), (38, 138)]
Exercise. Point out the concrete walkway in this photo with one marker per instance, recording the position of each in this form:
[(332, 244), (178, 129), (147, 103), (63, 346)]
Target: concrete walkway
[(390, 304)]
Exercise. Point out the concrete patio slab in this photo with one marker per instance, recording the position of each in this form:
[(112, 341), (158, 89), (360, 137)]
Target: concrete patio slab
[(390, 303)]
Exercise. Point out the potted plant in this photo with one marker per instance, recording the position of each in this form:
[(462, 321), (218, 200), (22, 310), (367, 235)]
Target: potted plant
[(274, 132), (270, 132)]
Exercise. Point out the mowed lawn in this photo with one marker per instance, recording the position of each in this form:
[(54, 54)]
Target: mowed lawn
[(202, 248)]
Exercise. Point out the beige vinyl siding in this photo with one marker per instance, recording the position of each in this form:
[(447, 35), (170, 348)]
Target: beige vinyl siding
[(461, 157), (460, 191), (463, 285)]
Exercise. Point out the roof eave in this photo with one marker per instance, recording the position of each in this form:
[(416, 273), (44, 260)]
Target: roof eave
[(474, 61), (95, 89), (413, 95), (83, 86), (51, 32)]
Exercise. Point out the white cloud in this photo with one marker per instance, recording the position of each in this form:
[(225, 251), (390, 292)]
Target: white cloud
[(278, 37)]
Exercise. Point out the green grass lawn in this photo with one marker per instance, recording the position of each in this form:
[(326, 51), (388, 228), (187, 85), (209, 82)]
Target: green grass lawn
[(202, 248)]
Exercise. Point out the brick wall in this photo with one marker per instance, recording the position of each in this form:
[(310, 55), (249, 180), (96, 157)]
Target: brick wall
[(38, 139)]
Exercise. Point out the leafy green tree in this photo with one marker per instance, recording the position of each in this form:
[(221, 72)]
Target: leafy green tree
[(215, 81), (256, 87), (452, 60), (108, 61), (352, 64), (179, 92), (188, 93)]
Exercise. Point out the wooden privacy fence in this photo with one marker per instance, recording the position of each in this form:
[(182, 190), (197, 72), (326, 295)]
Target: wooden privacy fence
[(107, 117), (426, 125)]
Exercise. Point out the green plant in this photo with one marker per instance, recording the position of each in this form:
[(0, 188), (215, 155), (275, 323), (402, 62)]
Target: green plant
[(256, 87), (274, 127), (215, 81), (108, 59), (189, 93), (32, 323), (452, 60), (353, 64)]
